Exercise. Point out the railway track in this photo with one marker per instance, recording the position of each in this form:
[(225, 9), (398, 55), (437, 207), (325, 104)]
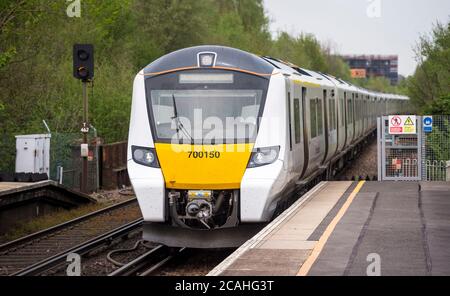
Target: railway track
[(38, 252), (44, 251), (149, 262)]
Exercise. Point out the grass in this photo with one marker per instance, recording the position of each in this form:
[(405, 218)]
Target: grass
[(50, 220)]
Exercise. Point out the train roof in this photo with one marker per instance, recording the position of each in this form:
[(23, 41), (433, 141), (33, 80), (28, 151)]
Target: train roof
[(231, 58), (223, 57)]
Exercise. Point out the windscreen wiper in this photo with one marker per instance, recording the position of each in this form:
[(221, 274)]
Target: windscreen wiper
[(179, 124)]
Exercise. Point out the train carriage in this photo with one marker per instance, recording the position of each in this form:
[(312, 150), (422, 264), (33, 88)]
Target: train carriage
[(221, 139)]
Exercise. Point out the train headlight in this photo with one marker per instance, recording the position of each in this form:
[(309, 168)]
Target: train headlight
[(145, 156), (206, 59), (263, 156)]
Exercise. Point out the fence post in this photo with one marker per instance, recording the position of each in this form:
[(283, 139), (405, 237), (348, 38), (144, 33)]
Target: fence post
[(379, 153), (422, 148), (447, 178)]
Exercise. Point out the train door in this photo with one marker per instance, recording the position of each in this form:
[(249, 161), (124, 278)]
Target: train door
[(350, 117), (332, 127), (335, 94), (298, 130), (289, 163), (342, 120), (306, 135), (327, 123), (316, 149), (295, 147), (364, 103), (367, 112), (357, 116), (348, 121)]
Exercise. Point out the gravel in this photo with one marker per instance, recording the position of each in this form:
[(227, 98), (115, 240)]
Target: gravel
[(364, 165), (194, 262), (113, 196)]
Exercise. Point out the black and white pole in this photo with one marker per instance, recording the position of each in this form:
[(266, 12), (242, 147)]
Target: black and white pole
[(83, 69), (84, 146)]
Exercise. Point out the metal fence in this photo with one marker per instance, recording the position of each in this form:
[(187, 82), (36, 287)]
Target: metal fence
[(424, 155), (436, 147), (66, 162), (113, 165), (436, 170), (107, 163)]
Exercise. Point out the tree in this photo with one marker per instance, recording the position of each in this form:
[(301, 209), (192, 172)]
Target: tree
[(429, 88), (36, 39)]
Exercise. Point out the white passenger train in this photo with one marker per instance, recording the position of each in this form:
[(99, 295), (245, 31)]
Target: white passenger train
[(221, 139)]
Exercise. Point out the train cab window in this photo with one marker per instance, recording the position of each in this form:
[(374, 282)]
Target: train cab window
[(297, 120), (241, 105)]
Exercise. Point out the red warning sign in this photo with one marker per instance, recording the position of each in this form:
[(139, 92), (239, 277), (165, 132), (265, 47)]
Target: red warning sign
[(396, 121), (395, 130), (402, 124)]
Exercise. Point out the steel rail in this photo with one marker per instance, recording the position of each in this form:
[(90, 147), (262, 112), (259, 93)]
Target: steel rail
[(159, 264), (136, 264), (53, 229), (134, 267), (81, 249)]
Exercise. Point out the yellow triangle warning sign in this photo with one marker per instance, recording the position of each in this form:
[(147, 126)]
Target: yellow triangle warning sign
[(408, 121)]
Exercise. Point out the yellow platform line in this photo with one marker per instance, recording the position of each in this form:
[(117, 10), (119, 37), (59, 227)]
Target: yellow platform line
[(330, 228)]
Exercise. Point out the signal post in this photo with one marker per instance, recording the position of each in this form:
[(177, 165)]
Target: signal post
[(83, 69)]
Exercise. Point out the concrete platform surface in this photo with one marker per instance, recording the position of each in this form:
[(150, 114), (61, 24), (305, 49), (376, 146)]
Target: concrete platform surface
[(4, 186), (21, 202), (353, 228)]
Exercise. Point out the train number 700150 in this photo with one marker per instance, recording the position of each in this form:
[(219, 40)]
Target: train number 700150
[(202, 154)]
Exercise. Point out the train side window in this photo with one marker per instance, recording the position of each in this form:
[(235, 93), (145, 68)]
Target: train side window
[(297, 120), (360, 113), (366, 110), (312, 117), (335, 124), (352, 109), (357, 108), (332, 114), (362, 109), (319, 117), (341, 102), (349, 112), (290, 121)]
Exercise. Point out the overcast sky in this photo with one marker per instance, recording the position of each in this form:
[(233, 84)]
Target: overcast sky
[(362, 26)]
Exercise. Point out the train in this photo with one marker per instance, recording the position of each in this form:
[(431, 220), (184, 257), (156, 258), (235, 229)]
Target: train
[(220, 140)]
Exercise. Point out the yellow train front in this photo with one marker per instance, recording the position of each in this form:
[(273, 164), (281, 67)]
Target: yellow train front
[(194, 123)]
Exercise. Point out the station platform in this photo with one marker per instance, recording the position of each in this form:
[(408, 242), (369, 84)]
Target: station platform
[(353, 228), (24, 201)]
